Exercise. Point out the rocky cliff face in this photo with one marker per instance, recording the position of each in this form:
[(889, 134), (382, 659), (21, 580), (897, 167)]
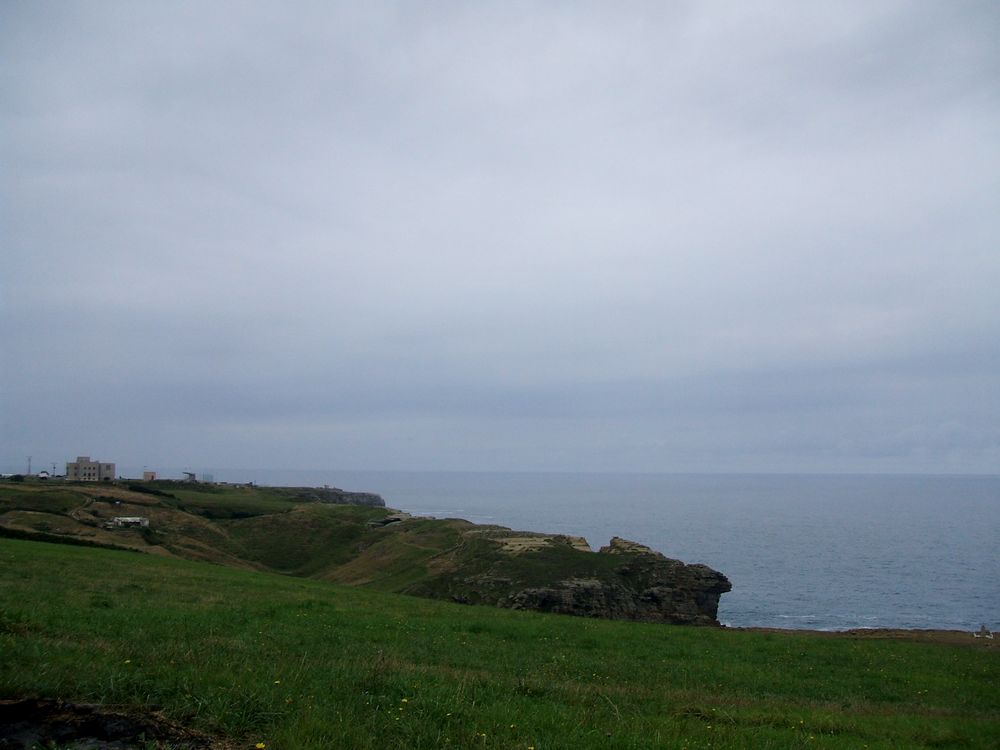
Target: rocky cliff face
[(338, 496), (623, 581), (647, 587)]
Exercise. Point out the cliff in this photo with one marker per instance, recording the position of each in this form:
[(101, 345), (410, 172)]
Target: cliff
[(623, 581), (351, 538), (337, 496), (648, 587)]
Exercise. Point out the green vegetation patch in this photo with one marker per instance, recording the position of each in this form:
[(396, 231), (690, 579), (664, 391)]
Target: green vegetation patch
[(230, 502), (304, 541), (298, 664), (400, 557), (33, 497)]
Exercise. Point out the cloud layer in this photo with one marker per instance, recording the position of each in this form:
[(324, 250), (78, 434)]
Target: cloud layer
[(656, 237)]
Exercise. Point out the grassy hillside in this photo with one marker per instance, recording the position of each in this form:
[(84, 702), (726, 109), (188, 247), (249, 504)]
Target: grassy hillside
[(269, 528), (296, 664), (291, 531), (262, 528)]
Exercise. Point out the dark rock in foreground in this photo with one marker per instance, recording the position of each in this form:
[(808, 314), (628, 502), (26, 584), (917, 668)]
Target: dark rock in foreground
[(35, 723)]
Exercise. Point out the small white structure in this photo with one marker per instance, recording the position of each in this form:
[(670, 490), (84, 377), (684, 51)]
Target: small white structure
[(128, 522)]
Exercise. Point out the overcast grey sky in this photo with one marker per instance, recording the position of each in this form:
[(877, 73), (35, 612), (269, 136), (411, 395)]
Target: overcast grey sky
[(663, 236)]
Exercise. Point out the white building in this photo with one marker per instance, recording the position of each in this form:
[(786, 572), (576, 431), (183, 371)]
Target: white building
[(127, 522), (85, 470)]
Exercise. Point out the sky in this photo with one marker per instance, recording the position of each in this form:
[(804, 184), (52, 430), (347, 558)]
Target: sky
[(566, 236)]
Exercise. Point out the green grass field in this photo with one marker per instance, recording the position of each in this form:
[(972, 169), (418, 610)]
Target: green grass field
[(297, 664), (285, 530)]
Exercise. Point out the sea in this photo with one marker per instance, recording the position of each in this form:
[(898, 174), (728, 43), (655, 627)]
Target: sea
[(823, 552)]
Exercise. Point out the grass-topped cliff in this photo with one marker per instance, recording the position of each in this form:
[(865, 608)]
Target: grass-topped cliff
[(352, 538), (211, 656), (268, 647)]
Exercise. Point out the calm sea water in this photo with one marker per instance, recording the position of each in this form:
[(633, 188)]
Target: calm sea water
[(807, 551)]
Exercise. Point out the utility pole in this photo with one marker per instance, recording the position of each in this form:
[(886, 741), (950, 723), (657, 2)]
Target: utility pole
[(29, 466)]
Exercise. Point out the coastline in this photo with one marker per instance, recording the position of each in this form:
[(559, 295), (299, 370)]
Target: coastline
[(949, 637)]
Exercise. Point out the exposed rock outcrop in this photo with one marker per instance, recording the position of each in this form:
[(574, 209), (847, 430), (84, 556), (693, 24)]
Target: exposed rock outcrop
[(647, 587), (36, 723), (551, 573), (619, 546)]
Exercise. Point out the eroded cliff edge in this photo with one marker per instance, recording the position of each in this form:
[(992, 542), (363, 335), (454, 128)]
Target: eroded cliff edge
[(650, 588), (558, 574), (351, 538)]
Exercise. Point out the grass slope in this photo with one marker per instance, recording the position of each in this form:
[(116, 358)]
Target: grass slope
[(298, 664), (286, 530)]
